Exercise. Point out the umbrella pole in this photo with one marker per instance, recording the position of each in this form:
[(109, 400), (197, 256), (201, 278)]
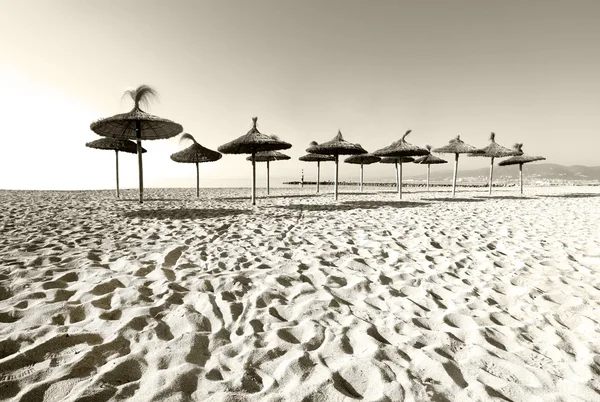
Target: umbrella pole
[(491, 174), (267, 177), (454, 175), (428, 171), (318, 174), (361, 177), (400, 180), (138, 135), (335, 184), (521, 176), (253, 179), (117, 160), (197, 181)]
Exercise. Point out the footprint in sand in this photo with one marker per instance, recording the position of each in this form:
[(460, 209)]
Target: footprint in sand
[(173, 256), (125, 372)]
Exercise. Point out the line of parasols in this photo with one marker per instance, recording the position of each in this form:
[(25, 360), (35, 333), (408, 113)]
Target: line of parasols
[(139, 125)]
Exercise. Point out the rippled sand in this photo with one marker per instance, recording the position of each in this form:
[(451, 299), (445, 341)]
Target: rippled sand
[(300, 298)]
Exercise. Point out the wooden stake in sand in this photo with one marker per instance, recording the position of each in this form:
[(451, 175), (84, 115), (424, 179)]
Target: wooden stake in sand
[(116, 145), (268, 156), (433, 160), (363, 159), (316, 158), (398, 164), (456, 146), (252, 143), (196, 154), (336, 147), (520, 160), (399, 149), (137, 125)]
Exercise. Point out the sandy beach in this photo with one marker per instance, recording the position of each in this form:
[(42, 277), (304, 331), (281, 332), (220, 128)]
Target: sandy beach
[(300, 298)]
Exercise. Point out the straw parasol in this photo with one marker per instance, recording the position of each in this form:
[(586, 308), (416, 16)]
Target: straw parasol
[(317, 158), (137, 125), (195, 153), (336, 147), (116, 145), (397, 162), (492, 151), (251, 143), (429, 160), (520, 160), (269, 156), (398, 149), (456, 146), (363, 159)]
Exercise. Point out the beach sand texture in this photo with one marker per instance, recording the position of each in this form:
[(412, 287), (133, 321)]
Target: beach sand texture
[(300, 298)]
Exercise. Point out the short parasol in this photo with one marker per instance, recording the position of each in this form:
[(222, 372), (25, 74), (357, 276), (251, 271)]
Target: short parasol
[(363, 159), (251, 143), (456, 146), (116, 145), (520, 160), (137, 125), (429, 160), (397, 162), (336, 147), (492, 151), (195, 153), (269, 156), (399, 149), (317, 158)]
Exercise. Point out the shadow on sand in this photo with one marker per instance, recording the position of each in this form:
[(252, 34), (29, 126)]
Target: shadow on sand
[(503, 197), (350, 205), (268, 197), (184, 213), (155, 199), (450, 199), (573, 195)]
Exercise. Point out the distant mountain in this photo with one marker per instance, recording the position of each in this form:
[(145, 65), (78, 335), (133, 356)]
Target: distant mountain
[(531, 172)]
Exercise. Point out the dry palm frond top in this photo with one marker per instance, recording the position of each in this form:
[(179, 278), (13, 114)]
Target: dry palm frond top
[(115, 145), (363, 159), (401, 148), (430, 159), (195, 153), (123, 126), (253, 141), (494, 150), (268, 156), (520, 159), (456, 146), (337, 146)]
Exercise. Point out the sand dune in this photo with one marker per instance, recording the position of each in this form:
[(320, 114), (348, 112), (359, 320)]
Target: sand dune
[(300, 298)]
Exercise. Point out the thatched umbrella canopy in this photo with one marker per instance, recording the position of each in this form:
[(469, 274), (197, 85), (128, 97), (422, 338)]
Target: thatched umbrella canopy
[(456, 146), (316, 158), (251, 143), (116, 145), (398, 149), (336, 147), (429, 160), (137, 125), (269, 156), (397, 162), (492, 151), (195, 153), (363, 159), (520, 160)]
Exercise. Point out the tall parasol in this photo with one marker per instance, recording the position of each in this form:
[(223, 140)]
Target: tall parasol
[(116, 145), (493, 151), (269, 156), (251, 143), (317, 158), (429, 160), (336, 147), (456, 146), (363, 159), (397, 163), (195, 153), (137, 125), (399, 149), (520, 160)]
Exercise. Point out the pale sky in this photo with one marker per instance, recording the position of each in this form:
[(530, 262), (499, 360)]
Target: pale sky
[(527, 70)]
